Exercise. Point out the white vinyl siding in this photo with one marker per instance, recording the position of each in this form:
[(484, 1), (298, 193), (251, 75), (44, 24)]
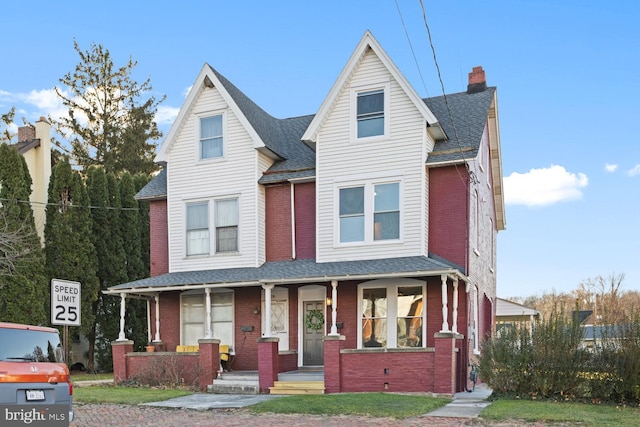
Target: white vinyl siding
[(402, 154), (235, 175)]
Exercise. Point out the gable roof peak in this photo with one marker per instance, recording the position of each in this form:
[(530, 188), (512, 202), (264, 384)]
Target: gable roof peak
[(367, 43)]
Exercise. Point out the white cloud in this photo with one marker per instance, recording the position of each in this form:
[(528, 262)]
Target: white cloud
[(546, 186), (634, 171), (166, 115), (610, 168)]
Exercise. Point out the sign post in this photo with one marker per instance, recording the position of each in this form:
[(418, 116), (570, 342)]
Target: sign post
[(65, 307)]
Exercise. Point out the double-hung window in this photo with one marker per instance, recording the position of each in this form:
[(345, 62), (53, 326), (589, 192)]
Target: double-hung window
[(211, 137), (369, 212), (370, 113), (223, 221), (392, 313), (198, 228), (227, 225)]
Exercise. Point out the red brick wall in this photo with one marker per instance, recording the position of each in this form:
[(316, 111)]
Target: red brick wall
[(448, 213), (278, 222), (169, 319), (246, 346), (164, 367), (159, 238), (305, 210), (401, 371)]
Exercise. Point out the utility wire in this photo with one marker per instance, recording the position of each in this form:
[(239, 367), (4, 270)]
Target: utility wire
[(415, 59), (71, 205), (444, 95)]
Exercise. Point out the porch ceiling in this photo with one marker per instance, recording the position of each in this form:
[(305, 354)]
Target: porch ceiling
[(296, 271)]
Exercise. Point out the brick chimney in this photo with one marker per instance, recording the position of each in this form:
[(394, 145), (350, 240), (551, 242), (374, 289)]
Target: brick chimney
[(26, 133), (477, 80)]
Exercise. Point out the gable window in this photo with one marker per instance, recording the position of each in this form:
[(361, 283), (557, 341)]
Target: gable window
[(197, 228), (211, 138), (370, 212), (370, 113), (227, 225), (393, 313)]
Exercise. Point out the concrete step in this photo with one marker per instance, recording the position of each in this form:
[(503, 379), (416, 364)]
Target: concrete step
[(297, 387), (231, 383)]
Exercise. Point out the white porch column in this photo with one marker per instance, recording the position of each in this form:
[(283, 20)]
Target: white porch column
[(148, 321), (334, 308), (121, 336), (454, 326), (207, 302), (445, 309), (267, 309), (156, 297)]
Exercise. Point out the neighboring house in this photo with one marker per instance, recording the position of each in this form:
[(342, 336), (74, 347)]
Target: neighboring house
[(511, 314), (34, 143), (361, 239)]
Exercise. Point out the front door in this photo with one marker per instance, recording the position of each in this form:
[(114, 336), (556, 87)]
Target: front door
[(314, 330)]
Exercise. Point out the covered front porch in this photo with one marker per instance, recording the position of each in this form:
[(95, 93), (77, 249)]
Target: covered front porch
[(366, 332)]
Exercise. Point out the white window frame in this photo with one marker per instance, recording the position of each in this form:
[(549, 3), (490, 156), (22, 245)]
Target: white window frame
[(369, 210), (186, 226), (392, 285), (211, 207), (385, 86), (200, 293), (279, 296), (198, 135), (216, 227)]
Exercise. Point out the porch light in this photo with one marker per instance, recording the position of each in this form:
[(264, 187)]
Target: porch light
[(256, 310), (329, 302)]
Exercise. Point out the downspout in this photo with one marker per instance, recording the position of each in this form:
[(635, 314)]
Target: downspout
[(293, 221)]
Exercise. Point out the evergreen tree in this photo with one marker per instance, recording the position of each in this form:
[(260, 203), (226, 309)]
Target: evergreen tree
[(70, 253), (139, 181), (136, 319), (23, 285), (105, 202), (109, 122)]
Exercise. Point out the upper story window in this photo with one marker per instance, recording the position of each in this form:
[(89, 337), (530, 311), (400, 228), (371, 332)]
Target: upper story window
[(369, 212), (224, 222), (227, 225), (211, 137), (197, 228), (370, 111)]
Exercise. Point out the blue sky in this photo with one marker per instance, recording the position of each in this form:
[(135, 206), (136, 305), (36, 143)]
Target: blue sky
[(567, 72)]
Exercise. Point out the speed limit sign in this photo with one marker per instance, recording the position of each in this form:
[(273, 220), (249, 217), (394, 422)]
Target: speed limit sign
[(65, 302)]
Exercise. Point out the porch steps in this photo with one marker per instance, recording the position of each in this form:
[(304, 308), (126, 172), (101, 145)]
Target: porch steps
[(242, 382), (297, 387)]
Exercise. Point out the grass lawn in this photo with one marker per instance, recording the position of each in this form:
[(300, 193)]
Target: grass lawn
[(84, 376), (563, 412), (124, 395), (379, 405)]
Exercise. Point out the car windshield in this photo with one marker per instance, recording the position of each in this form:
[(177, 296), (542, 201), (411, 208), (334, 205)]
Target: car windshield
[(28, 345)]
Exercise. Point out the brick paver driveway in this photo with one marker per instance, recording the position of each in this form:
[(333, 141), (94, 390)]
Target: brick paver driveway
[(90, 415)]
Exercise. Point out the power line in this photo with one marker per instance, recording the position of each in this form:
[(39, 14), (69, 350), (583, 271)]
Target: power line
[(472, 176), (71, 205)]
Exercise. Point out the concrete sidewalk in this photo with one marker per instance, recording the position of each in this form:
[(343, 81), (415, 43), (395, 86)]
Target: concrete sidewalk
[(465, 404)]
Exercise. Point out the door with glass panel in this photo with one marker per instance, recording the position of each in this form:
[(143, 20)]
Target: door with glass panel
[(313, 333)]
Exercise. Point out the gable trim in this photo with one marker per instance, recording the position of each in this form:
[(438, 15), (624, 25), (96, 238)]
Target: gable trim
[(367, 43)]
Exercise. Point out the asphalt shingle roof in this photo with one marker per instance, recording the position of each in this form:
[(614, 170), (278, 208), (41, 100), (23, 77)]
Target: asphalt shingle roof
[(284, 136), (289, 271)]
